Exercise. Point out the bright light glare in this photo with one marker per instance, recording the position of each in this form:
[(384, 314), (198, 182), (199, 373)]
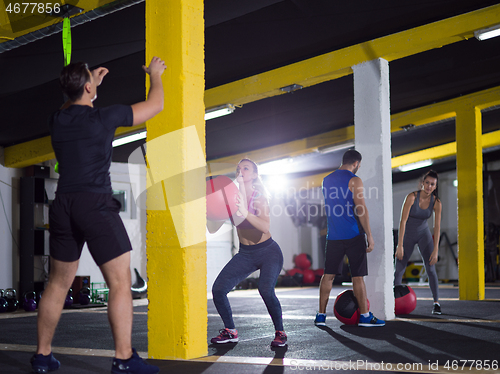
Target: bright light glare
[(129, 139), (277, 167), (415, 165), (455, 183), (276, 183)]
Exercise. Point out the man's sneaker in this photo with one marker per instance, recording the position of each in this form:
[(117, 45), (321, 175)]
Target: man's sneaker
[(320, 319), (436, 309), (225, 336), (279, 340), (134, 365), (370, 321), (43, 364)]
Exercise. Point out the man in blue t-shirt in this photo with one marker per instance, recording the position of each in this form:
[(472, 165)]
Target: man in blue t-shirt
[(85, 211), (348, 234)]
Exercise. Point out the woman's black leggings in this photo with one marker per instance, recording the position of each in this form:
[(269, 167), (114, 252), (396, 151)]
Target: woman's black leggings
[(265, 256)]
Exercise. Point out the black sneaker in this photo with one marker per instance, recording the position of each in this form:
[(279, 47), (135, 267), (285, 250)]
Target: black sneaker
[(436, 309), (134, 365), (42, 364)]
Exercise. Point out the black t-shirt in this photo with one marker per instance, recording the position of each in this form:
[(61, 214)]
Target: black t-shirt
[(82, 138)]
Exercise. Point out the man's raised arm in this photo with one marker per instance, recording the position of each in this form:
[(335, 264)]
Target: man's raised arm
[(153, 105)]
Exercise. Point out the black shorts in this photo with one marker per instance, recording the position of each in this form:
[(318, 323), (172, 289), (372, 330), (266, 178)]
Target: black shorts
[(354, 248), (79, 217)]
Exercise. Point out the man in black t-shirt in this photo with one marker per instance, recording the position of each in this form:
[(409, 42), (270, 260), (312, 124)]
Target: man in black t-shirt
[(85, 211)]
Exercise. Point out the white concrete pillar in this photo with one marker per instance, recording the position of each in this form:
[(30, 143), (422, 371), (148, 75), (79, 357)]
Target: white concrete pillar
[(372, 131)]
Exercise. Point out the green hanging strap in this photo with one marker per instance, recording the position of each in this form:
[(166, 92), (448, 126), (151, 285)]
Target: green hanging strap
[(66, 37)]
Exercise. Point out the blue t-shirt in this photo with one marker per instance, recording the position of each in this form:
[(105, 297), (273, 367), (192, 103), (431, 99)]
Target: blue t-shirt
[(82, 139), (343, 223)]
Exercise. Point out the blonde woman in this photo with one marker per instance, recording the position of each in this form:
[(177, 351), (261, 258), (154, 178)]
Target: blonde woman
[(258, 251)]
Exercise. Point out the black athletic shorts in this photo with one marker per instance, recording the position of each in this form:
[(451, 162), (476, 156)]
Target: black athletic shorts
[(79, 217), (354, 248)]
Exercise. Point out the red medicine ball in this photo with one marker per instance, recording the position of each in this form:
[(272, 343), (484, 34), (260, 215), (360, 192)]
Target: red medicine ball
[(303, 261), (405, 300), (221, 198), (309, 276), (346, 308)]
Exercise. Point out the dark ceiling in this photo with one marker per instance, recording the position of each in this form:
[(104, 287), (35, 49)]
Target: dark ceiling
[(244, 38)]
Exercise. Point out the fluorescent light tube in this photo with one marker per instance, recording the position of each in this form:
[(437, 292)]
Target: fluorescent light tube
[(335, 147), (129, 139), (488, 33), (415, 165), (219, 111)]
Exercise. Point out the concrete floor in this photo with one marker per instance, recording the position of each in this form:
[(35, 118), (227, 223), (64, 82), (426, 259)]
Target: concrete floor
[(419, 342)]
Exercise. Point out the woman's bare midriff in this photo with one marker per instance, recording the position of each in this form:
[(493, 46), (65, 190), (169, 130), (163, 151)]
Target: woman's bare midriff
[(252, 236)]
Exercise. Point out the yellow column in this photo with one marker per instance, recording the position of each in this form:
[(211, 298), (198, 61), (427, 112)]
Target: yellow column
[(470, 203), (176, 218)]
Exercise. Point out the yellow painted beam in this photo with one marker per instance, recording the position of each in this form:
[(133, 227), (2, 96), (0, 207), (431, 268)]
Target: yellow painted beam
[(488, 140), (176, 210), (336, 64), (419, 116), (40, 150), (470, 204), (445, 109), (433, 153), (28, 153), (290, 149)]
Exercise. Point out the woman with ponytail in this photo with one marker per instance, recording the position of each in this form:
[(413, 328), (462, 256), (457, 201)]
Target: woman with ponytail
[(413, 229)]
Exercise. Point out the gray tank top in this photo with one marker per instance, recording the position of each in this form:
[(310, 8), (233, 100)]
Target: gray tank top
[(418, 217)]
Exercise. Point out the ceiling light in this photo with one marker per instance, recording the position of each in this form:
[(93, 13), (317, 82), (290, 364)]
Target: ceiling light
[(335, 147), (129, 139), (219, 111), (415, 165), (281, 166), (291, 88), (488, 33), (408, 127)]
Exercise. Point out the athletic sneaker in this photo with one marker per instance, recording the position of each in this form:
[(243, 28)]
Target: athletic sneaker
[(436, 309), (320, 319), (225, 336), (134, 365), (279, 340), (370, 321), (43, 364)]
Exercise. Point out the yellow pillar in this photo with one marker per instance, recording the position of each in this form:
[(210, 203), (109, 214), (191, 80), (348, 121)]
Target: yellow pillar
[(470, 203), (176, 218)]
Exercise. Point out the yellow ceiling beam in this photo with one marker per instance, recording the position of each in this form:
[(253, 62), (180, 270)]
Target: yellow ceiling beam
[(488, 140), (29, 153), (40, 150), (25, 19), (290, 149), (445, 109), (336, 64), (433, 153), (322, 68)]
